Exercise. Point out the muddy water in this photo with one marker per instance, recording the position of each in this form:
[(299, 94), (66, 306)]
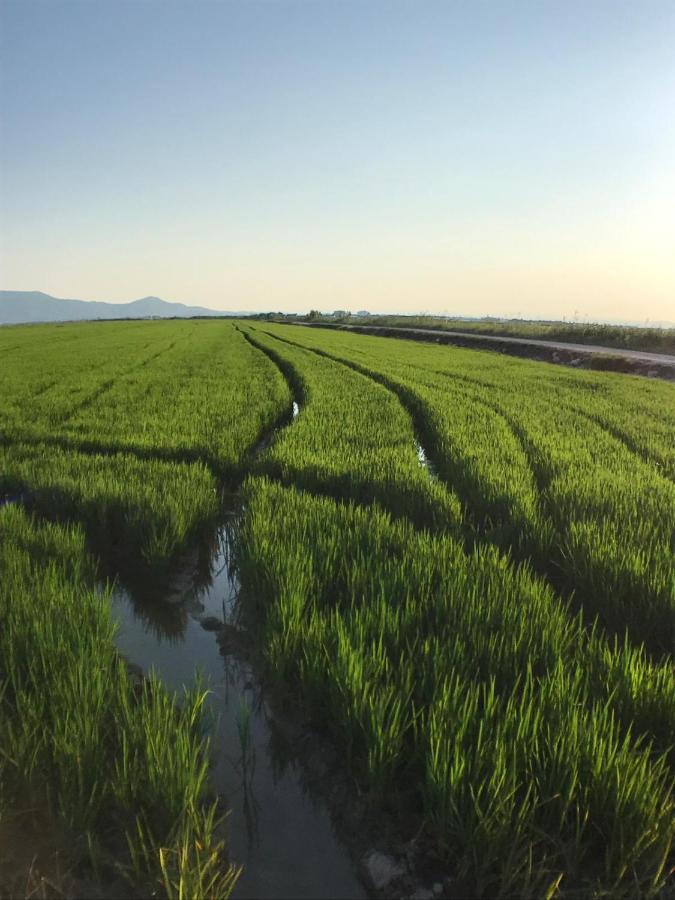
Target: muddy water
[(283, 838)]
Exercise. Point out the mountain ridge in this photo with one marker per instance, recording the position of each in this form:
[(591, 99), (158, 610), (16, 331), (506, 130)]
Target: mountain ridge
[(25, 307)]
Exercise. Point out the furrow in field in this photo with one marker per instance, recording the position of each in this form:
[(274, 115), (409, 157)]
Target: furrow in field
[(411, 405), (496, 519), (619, 576), (327, 489), (43, 389), (644, 453), (105, 386), (355, 441), (294, 383), (90, 447), (495, 510), (596, 517)]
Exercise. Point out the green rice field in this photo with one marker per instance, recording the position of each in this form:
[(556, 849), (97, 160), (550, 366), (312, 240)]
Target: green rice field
[(456, 568)]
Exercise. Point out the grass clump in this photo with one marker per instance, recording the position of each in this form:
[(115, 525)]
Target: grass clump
[(105, 757), (569, 470), (131, 509), (462, 690)]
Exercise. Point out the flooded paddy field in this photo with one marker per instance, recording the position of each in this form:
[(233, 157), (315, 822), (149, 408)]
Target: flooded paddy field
[(302, 613)]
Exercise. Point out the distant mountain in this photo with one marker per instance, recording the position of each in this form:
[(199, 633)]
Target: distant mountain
[(34, 306)]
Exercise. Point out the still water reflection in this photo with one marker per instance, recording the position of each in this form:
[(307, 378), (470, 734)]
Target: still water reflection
[(282, 836)]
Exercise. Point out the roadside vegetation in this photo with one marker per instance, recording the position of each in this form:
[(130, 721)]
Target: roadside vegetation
[(621, 337), (457, 566)]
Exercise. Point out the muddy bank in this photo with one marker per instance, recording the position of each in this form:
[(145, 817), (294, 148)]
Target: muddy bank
[(575, 355), (38, 858)]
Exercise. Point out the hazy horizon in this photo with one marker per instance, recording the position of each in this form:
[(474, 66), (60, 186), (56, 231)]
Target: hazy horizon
[(442, 158)]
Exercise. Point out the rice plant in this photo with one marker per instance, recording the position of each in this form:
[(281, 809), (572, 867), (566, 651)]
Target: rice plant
[(486, 639)]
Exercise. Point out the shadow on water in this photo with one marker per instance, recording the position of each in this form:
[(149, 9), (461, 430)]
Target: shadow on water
[(283, 836)]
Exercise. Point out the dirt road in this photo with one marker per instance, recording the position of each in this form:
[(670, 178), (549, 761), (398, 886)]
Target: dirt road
[(636, 362)]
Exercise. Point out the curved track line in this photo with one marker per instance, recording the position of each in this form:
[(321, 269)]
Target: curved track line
[(408, 403)]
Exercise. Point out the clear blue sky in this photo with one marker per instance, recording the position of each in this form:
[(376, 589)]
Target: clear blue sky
[(461, 157)]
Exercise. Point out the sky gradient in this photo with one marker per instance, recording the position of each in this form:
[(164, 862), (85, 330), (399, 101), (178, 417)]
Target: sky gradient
[(461, 158)]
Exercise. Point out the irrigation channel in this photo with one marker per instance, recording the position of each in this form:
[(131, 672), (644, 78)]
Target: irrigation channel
[(279, 825), (281, 834)]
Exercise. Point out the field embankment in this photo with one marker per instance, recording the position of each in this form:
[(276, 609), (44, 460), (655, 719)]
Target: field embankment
[(617, 337), (581, 356)]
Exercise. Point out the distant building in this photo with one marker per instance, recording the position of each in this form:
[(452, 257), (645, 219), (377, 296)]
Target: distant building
[(363, 312), (341, 314)]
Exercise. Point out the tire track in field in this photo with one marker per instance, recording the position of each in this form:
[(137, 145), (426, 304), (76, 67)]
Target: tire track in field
[(422, 420), (476, 531), (411, 405), (642, 453), (43, 390), (541, 473), (541, 476), (291, 377), (477, 528), (105, 386), (88, 447), (486, 526), (364, 496), (419, 411), (552, 565), (323, 489), (497, 513)]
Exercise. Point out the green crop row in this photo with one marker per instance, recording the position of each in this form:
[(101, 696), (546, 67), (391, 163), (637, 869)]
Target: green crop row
[(79, 742), (460, 688), (403, 603), (525, 449), (353, 439), (123, 429), (169, 390)]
